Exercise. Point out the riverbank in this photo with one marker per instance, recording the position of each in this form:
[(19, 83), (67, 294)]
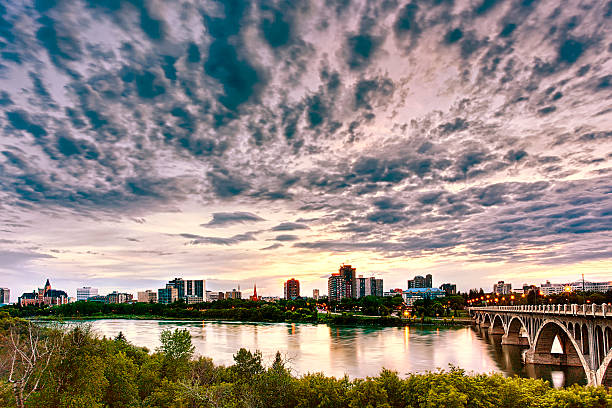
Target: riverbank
[(331, 320)]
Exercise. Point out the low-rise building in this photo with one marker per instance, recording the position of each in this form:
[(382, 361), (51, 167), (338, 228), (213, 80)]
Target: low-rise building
[(98, 298), (449, 288), (413, 294), (148, 296), (118, 297), (549, 288), (234, 294)]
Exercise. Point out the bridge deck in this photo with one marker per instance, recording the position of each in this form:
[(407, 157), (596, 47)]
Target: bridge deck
[(603, 310)]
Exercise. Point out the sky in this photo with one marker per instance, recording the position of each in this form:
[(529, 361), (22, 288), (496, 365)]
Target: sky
[(250, 142)]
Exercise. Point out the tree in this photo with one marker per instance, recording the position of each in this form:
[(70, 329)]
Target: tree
[(247, 364), (30, 349), (176, 345)]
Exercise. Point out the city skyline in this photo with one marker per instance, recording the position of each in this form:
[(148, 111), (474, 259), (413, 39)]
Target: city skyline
[(257, 142), (547, 287)]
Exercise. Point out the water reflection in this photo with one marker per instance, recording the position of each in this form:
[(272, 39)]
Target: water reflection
[(356, 351)]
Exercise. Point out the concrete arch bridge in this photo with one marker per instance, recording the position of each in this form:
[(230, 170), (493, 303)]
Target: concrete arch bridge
[(584, 333)]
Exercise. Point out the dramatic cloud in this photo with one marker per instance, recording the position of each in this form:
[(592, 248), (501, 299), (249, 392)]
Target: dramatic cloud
[(459, 138), (225, 218)]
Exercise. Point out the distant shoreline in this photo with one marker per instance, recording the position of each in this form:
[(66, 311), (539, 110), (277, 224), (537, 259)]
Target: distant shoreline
[(352, 320)]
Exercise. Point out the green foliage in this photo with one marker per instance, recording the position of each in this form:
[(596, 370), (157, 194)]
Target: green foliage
[(247, 365), (176, 345), (87, 371)]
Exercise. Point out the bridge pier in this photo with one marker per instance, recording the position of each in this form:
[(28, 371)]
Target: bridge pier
[(556, 359), (514, 339)]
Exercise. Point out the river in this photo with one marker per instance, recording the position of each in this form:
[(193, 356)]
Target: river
[(356, 351)]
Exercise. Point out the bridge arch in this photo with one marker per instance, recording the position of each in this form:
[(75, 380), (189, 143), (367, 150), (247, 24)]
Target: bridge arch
[(486, 320), (604, 374), (514, 331), (572, 350), (497, 326)]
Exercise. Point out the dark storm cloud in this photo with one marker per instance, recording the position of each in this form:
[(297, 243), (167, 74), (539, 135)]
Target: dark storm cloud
[(226, 218)]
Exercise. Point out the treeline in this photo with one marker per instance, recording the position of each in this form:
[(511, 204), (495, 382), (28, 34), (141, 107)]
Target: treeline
[(298, 310), (230, 309), (50, 368)]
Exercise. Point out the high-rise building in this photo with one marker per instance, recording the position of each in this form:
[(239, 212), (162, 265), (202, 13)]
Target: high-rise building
[(420, 282), (369, 287), (180, 286), (336, 287), (502, 288), (5, 296), (292, 289), (378, 290), (167, 295), (343, 284), (315, 294), (86, 292), (449, 288), (192, 291), (350, 277), (148, 296)]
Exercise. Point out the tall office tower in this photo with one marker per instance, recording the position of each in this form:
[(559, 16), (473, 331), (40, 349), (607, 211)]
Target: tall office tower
[(428, 281), (315, 294), (5, 296), (292, 289), (86, 292)]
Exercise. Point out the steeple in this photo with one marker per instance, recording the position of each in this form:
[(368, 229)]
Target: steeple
[(47, 285), (255, 291)]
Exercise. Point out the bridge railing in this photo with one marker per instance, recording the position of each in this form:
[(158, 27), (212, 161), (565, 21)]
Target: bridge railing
[(603, 310)]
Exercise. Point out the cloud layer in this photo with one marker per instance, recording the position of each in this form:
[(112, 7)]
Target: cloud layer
[(453, 132)]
